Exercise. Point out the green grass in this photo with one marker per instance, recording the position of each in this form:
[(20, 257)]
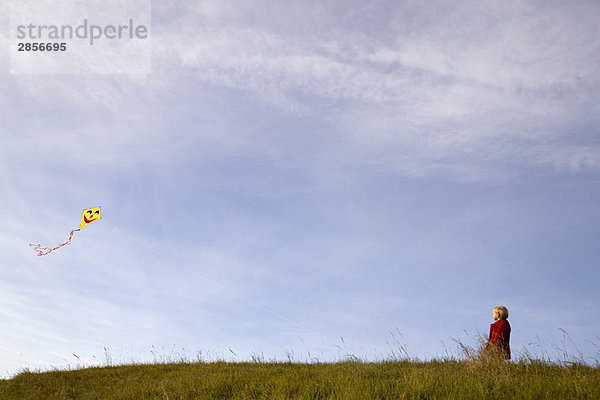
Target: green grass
[(470, 379)]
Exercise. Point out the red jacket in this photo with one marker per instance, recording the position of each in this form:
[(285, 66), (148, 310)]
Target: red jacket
[(500, 336)]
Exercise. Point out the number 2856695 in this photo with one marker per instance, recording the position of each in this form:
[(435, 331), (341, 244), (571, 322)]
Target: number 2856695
[(41, 46)]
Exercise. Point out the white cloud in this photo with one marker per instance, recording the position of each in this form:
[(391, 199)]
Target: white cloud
[(450, 77), (479, 51), (482, 74)]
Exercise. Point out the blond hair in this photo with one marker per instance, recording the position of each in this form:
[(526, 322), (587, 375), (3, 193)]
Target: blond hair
[(502, 312)]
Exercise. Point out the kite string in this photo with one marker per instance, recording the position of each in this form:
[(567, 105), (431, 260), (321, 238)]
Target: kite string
[(223, 288), (42, 251), (259, 306)]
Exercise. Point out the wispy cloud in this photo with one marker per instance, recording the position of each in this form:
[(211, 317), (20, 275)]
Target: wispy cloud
[(433, 90)]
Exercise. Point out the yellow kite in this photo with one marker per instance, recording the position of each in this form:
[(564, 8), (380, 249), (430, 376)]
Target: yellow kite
[(88, 216)]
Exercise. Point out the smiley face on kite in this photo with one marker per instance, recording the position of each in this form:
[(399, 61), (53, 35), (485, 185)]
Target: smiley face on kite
[(93, 216), (89, 215)]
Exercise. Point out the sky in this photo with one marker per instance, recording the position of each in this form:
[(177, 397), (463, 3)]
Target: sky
[(310, 181)]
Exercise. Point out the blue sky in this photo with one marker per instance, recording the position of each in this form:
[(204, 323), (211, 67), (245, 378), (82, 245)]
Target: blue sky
[(292, 174)]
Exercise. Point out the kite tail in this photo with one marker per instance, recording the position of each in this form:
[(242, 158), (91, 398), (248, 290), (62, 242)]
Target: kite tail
[(42, 251)]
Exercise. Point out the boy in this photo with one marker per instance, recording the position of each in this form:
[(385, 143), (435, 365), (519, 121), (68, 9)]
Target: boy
[(500, 332)]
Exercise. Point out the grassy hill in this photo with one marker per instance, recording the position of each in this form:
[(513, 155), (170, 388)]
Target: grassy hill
[(474, 379)]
